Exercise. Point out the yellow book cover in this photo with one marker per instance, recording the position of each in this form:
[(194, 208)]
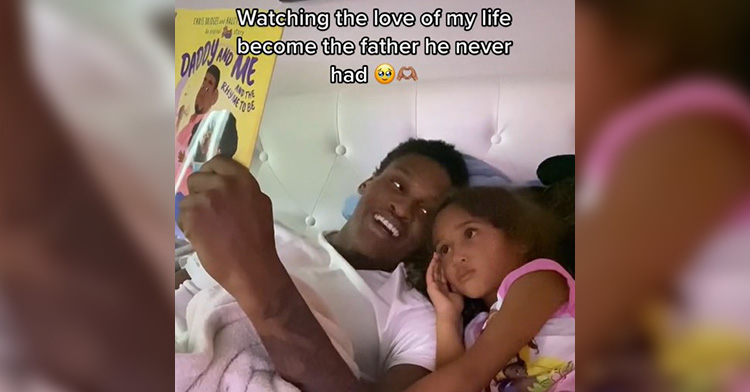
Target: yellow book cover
[(219, 95)]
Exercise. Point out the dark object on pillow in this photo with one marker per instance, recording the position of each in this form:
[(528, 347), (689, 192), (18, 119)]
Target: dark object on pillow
[(557, 169), (559, 196)]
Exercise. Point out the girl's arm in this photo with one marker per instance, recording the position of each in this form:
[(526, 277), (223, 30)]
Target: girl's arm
[(450, 345), (531, 301), (665, 197)]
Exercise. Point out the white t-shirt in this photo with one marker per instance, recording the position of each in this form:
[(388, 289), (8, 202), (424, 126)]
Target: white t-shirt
[(385, 322)]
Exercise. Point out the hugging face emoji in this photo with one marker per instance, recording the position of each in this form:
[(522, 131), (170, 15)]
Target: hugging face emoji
[(384, 73)]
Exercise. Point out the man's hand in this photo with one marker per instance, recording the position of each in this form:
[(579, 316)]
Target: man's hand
[(229, 222)]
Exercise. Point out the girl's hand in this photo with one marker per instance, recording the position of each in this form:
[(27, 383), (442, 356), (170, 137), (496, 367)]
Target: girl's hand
[(446, 301)]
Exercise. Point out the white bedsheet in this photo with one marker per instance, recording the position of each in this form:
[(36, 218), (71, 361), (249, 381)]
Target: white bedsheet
[(216, 346), (220, 350)]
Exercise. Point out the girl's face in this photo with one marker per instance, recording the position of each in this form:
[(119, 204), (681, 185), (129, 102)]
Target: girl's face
[(475, 255)]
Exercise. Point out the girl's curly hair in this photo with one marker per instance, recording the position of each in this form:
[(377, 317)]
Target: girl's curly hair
[(521, 214)]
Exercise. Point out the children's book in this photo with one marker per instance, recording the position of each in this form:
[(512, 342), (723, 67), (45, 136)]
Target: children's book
[(219, 95)]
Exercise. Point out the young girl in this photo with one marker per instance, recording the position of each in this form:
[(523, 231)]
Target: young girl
[(494, 246), (663, 130)]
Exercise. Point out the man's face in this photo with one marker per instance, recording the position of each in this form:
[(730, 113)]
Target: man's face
[(391, 220), (207, 95)]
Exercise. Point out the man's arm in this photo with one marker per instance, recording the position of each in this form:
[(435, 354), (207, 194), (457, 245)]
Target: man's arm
[(400, 377), (298, 346), (224, 198)]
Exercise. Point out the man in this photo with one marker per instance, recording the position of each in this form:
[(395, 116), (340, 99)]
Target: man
[(391, 326)]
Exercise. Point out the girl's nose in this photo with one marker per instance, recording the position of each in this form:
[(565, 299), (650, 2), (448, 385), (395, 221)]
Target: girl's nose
[(459, 259)]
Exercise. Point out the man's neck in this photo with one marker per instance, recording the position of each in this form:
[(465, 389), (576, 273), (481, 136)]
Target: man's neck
[(340, 241)]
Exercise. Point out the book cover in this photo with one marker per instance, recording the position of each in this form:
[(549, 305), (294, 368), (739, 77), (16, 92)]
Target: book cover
[(219, 95)]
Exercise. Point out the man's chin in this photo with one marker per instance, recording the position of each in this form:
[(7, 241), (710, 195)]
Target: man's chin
[(376, 250), (381, 253)]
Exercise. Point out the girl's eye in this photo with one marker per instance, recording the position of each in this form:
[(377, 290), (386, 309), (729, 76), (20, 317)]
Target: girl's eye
[(443, 250), (423, 211), (470, 233), (397, 184)]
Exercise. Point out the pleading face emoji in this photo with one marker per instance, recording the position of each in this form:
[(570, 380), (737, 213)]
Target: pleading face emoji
[(384, 73)]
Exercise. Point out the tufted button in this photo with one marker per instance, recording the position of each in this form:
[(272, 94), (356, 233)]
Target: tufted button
[(263, 157), (310, 221), (496, 139), (340, 150)]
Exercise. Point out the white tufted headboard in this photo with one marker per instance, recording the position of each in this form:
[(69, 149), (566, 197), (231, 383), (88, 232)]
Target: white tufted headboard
[(315, 149)]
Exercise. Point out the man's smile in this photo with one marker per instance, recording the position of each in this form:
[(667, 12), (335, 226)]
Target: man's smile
[(389, 224)]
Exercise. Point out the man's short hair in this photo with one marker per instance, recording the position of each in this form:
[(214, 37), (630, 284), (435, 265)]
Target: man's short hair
[(214, 71), (439, 151)]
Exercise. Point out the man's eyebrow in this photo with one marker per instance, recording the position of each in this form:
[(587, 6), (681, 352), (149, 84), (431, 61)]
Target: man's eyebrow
[(405, 170)]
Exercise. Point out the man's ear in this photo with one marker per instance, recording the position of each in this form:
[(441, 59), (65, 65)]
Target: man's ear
[(363, 186)]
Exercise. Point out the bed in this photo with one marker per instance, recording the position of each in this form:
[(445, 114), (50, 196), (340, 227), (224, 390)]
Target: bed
[(315, 148)]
